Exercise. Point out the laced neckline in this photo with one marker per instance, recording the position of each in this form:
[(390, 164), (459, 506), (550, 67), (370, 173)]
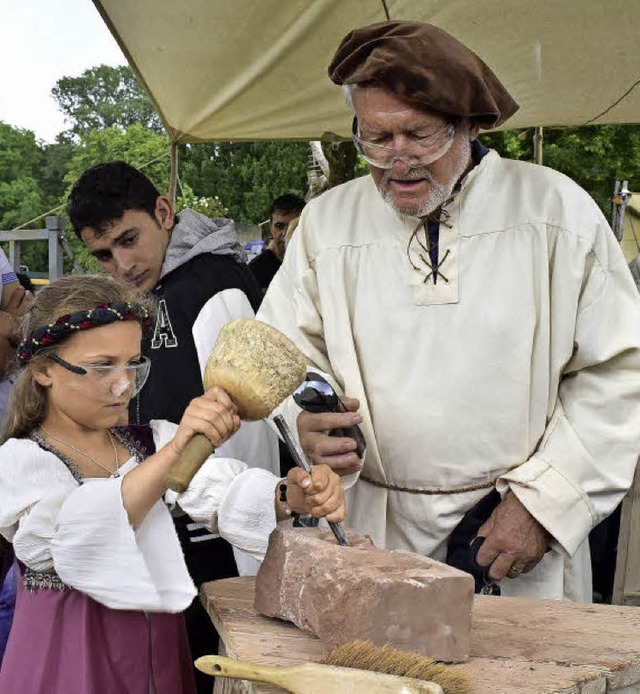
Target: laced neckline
[(120, 434)]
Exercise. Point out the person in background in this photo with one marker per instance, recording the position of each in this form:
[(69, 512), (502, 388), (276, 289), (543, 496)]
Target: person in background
[(19, 300), (16, 300), (283, 209), (479, 313), (197, 271)]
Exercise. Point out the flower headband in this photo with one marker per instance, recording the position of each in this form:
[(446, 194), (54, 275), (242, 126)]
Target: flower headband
[(102, 314)]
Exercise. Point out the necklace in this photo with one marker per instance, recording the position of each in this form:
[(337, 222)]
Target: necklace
[(112, 473)]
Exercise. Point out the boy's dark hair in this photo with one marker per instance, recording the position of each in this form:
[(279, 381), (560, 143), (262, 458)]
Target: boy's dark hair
[(287, 203), (105, 192)]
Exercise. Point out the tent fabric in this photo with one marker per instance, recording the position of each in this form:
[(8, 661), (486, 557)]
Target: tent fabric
[(257, 69)]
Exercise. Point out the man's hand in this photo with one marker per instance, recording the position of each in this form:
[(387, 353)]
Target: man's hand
[(338, 452), (514, 540)]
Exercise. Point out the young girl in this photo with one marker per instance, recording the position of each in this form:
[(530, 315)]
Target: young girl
[(83, 500)]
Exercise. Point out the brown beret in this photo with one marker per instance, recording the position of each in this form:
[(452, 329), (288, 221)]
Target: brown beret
[(424, 65)]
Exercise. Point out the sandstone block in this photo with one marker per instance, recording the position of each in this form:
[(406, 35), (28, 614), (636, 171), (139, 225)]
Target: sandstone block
[(359, 592)]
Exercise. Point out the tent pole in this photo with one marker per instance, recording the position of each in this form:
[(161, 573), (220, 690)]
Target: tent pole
[(174, 174), (538, 141)]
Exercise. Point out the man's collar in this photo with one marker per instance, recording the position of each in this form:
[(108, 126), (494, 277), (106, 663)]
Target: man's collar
[(478, 151)]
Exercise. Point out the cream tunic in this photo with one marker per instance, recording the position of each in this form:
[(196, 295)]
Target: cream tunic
[(522, 367)]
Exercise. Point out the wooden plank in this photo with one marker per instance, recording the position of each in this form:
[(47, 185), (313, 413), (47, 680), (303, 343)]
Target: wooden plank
[(242, 631), (514, 644), (224, 685), (525, 677), (566, 633)]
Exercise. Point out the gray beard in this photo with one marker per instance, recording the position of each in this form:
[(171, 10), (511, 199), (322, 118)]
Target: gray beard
[(438, 193)]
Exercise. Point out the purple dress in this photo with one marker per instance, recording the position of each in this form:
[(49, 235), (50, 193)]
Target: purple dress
[(64, 642)]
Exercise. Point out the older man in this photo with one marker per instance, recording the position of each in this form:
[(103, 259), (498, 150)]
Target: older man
[(480, 311)]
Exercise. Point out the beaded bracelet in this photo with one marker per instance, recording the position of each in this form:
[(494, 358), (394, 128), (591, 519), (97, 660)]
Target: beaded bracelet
[(283, 498), (283, 501)]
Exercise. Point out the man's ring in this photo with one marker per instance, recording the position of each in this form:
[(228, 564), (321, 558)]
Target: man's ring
[(514, 572)]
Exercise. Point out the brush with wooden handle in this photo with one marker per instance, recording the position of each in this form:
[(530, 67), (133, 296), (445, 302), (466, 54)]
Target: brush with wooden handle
[(258, 367), (312, 678)]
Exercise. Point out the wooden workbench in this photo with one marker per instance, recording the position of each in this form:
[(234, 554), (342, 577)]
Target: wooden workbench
[(518, 646)]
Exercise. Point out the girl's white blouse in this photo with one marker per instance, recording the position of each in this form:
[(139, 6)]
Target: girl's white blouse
[(82, 533)]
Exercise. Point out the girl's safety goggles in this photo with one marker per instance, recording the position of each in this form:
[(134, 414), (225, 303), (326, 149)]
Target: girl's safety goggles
[(114, 379)]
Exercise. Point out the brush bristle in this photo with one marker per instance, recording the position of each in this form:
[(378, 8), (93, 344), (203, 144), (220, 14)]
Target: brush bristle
[(365, 655)]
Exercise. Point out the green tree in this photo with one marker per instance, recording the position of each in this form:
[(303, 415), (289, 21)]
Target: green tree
[(105, 97), (136, 145), (594, 156), (20, 200), (208, 206), (57, 159), (20, 155), (21, 194), (245, 176), (343, 159)]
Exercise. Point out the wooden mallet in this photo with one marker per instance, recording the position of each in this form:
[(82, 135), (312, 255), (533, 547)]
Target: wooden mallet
[(258, 367)]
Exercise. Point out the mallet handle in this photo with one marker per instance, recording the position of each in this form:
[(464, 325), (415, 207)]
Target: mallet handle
[(189, 462)]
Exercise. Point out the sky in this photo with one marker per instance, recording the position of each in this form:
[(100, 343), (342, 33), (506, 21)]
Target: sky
[(40, 42)]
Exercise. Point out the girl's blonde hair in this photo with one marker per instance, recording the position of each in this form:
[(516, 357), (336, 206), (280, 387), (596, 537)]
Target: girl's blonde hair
[(27, 405)]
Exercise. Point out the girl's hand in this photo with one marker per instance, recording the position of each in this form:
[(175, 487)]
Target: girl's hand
[(212, 414), (319, 494)]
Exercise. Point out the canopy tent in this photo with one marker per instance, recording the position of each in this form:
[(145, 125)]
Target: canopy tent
[(256, 69)]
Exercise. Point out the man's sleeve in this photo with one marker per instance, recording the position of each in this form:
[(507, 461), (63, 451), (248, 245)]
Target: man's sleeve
[(291, 305), (586, 459), (7, 275)]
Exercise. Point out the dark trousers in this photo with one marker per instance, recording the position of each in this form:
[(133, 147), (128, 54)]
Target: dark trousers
[(603, 543)]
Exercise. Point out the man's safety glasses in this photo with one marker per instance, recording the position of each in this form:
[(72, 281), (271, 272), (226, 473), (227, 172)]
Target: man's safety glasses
[(421, 151)]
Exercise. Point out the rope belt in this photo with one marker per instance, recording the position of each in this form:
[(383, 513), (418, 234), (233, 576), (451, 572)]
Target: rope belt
[(413, 490)]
